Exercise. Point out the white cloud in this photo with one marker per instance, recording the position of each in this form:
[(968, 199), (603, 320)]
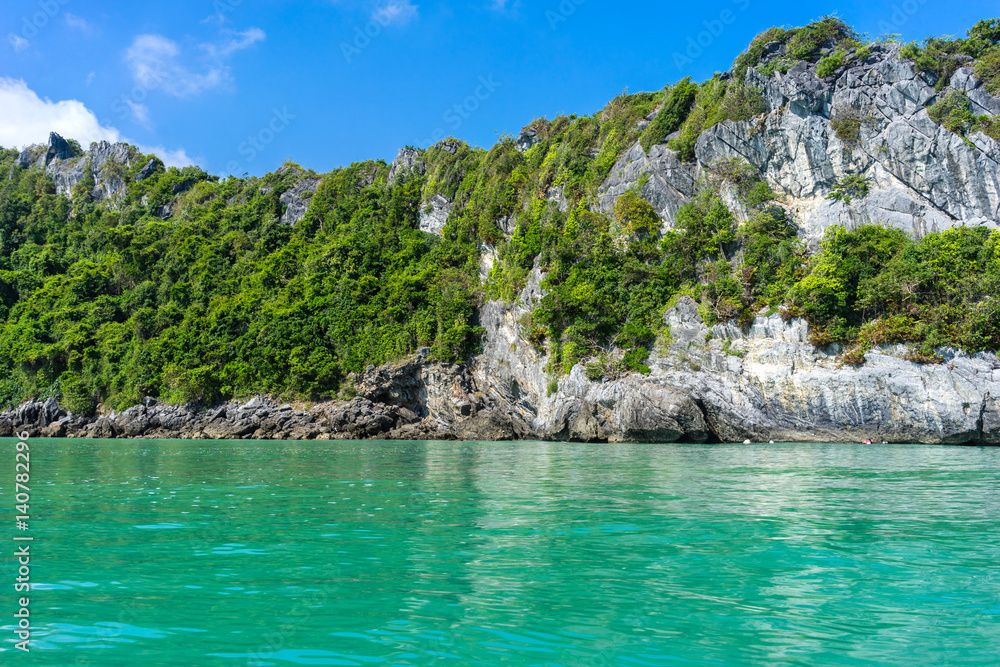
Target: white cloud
[(156, 62), (17, 42), (153, 60), (28, 119), (399, 12), (177, 158), (76, 22), (90, 77), (139, 112), (240, 41)]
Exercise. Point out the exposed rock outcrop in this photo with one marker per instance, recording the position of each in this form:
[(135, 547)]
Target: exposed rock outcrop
[(434, 215), (667, 183), (105, 164), (152, 166), (415, 399), (407, 161), (769, 383), (296, 200), (58, 149), (923, 177), (27, 157), (108, 163), (527, 139), (448, 146), (66, 174)]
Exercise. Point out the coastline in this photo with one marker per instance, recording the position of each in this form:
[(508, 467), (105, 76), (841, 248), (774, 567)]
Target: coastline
[(767, 382)]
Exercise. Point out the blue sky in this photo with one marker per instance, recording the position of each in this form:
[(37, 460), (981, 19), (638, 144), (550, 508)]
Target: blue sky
[(242, 85)]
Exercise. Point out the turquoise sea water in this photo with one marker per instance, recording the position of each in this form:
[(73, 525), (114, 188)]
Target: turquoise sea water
[(387, 553)]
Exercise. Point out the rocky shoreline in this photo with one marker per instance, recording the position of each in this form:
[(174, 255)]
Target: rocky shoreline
[(412, 400), (707, 384)]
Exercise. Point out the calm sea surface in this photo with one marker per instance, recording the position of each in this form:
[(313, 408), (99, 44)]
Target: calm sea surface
[(384, 553)]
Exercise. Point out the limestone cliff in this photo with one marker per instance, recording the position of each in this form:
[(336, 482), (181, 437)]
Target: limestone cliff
[(924, 177), (767, 383), (104, 165)]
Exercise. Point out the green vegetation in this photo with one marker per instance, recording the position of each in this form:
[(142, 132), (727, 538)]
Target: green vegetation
[(847, 125), (829, 294), (75, 146), (988, 69), (110, 303), (192, 289), (942, 57), (755, 52), (635, 215), (874, 286), (989, 125), (716, 101), (829, 65), (954, 111), (852, 186), (673, 114), (809, 41), (805, 43)]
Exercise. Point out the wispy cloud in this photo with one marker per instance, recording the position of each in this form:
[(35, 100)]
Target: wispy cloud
[(509, 6), (139, 112), (398, 12), (154, 61), (238, 42), (76, 22), (28, 119), (157, 62), (17, 42)]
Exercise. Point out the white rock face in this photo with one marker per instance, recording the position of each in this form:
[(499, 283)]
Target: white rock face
[(487, 258), (296, 200), (782, 388), (434, 219), (510, 368), (771, 383), (767, 384), (66, 174), (556, 194), (407, 161), (670, 183), (923, 177), (105, 162)]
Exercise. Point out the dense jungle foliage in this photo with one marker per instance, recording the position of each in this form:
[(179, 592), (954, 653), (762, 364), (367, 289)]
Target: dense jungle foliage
[(190, 288)]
